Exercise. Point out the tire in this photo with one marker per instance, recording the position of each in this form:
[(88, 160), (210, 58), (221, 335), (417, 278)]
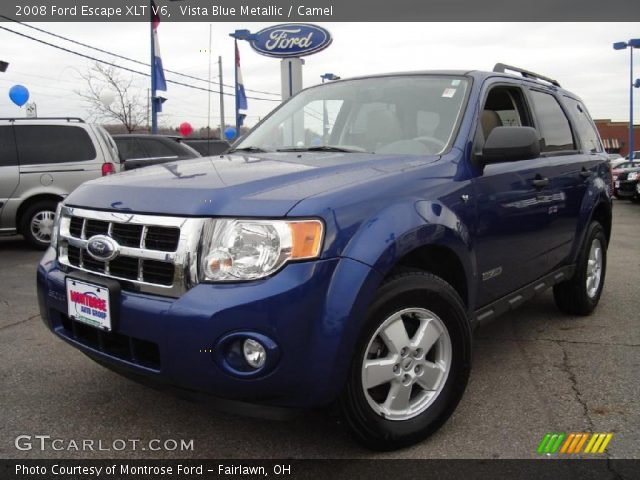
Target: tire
[(38, 236), (575, 296), (413, 302)]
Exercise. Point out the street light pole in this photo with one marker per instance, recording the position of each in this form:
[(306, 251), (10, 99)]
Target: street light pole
[(209, 94), (631, 44), (631, 142)]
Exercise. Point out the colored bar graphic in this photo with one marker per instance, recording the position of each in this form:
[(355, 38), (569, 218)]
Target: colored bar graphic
[(582, 441), (543, 443), (606, 441), (556, 445), (552, 443), (590, 444), (567, 443)]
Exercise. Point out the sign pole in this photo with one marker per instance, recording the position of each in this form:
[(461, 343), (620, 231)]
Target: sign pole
[(235, 73), (222, 122), (154, 103)]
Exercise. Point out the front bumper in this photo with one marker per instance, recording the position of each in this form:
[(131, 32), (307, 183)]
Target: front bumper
[(312, 310), (628, 189)]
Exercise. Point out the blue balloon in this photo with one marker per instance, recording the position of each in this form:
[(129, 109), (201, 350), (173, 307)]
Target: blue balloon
[(19, 95), (230, 133)]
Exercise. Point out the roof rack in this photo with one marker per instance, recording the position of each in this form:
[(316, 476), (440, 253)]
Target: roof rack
[(68, 119), (502, 68)]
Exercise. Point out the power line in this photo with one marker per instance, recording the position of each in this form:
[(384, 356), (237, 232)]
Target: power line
[(124, 57), (175, 82)]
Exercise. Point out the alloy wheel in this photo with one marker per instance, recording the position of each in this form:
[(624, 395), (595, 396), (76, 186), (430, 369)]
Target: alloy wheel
[(407, 363)]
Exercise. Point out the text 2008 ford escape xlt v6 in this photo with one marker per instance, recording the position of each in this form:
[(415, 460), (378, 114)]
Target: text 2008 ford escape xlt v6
[(344, 250)]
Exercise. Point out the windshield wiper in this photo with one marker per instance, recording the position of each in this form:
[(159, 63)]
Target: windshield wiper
[(249, 149), (322, 148)]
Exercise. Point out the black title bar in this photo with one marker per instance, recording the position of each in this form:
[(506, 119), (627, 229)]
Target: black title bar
[(321, 10)]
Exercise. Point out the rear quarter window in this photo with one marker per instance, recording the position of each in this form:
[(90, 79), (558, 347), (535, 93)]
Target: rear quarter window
[(8, 155), (129, 148), (586, 129), (158, 148), (47, 144)]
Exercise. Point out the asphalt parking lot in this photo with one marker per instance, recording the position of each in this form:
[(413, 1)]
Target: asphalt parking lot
[(535, 371)]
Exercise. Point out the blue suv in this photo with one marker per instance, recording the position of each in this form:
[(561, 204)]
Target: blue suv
[(344, 250)]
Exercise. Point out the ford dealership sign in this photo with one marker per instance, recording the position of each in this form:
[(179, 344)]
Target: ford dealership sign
[(291, 40)]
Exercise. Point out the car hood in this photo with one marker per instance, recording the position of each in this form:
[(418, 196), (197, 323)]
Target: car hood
[(268, 184)]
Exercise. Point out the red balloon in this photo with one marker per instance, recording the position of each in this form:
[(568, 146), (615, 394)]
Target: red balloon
[(186, 129)]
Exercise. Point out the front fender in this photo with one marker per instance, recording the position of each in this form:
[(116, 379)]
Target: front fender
[(596, 197), (385, 238)]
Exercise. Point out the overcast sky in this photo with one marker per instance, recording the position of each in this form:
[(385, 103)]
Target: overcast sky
[(579, 55)]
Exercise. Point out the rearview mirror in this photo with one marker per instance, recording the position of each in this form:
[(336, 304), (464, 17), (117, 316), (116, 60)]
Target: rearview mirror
[(509, 144)]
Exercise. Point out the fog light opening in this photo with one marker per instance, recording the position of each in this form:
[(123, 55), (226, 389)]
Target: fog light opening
[(254, 353)]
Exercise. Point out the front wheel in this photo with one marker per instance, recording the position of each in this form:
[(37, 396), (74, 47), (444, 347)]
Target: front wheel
[(411, 365), (581, 294)]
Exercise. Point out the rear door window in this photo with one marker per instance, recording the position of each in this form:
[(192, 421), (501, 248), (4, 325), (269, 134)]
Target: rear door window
[(8, 155), (553, 124), (47, 144)]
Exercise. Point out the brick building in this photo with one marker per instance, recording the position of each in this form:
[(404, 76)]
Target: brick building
[(615, 136)]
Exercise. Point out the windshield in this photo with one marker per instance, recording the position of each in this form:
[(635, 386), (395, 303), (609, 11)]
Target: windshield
[(414, 115)]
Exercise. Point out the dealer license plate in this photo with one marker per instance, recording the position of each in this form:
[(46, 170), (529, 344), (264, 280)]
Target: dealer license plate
[(88, 303)]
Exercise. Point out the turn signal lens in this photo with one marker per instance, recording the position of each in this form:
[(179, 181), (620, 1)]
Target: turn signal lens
[(306, 238)]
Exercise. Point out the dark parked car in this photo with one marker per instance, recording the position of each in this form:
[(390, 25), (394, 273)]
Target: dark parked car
[(137, 150), (343, 257), (620, 168), (208, 147), (628, 184)]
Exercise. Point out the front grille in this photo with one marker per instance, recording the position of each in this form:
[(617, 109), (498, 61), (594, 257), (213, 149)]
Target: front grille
[(165, 239), (127, 268), (95, 227), (128, 235), (115, 344), (154, 253), (627, 187)]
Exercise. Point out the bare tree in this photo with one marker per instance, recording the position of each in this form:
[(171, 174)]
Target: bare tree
[(128, 107)]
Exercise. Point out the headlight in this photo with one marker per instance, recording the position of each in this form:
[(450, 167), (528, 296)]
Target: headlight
[(56, 227), (235, 250), (632, 176)]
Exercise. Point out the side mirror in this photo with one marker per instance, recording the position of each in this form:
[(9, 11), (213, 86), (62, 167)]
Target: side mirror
[(509, 144)]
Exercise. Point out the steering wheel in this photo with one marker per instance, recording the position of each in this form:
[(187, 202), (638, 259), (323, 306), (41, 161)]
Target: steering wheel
[(432, 142)]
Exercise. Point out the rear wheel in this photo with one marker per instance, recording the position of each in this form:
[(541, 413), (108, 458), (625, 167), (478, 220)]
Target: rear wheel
[(411, 365), (581, 294), (37, 223)]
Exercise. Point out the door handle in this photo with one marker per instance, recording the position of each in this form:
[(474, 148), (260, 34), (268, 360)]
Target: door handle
[(539, 182), (584, 173)]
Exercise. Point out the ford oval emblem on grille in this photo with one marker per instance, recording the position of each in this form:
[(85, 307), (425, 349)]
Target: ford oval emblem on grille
[(103, 248)]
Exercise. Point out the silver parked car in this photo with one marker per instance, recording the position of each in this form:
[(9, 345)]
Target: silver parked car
[(42, 160)]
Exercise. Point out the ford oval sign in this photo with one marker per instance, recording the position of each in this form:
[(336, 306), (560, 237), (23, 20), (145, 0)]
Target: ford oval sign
[(291, 40), (102, 248)]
